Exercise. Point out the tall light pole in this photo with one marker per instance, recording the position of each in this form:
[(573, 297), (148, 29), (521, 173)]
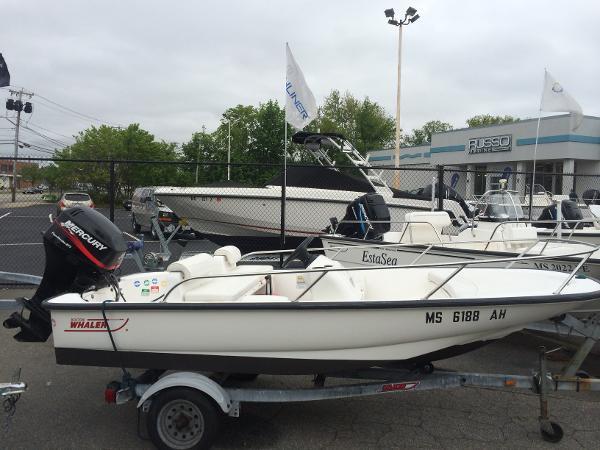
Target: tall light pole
[(410, 16)]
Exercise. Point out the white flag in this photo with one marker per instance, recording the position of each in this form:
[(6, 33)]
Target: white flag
[(555, 98), (300, 104)]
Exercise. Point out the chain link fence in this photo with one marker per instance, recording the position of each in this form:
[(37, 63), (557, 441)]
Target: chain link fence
[(218, 204)]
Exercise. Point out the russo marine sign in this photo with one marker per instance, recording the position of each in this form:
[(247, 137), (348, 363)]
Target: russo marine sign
[(490, 144)]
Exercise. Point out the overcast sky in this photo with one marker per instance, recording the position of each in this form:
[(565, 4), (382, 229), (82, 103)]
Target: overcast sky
[(176, 66)]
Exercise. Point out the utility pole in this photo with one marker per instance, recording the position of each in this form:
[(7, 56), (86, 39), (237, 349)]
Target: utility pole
[(17, 105)]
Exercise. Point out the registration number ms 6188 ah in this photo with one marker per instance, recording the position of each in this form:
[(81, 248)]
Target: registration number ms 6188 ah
[(469, 315)]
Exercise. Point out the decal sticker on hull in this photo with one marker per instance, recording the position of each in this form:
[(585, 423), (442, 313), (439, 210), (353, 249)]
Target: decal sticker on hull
[(84, 325)]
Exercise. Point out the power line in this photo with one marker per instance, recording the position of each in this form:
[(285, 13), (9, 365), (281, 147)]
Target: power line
[(43, 136), (46, 129), (75, 112), (48, 138)]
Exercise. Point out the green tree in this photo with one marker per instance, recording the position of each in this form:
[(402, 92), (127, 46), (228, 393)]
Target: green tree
[(364, 122), (106, 143), (484, 120), (31, 173), (423, 135), (203, 147)]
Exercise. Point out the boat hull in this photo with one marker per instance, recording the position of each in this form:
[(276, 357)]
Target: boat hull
[(257, 211), (289, 338)]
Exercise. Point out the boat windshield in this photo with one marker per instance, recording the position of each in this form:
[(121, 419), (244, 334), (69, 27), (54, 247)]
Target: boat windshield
[(500, 205)]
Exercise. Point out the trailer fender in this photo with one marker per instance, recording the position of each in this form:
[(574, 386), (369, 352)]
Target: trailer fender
[(195, 381)]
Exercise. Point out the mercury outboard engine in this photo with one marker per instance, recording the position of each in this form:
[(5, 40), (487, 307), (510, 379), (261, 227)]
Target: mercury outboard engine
[(82, 248), (569, 210), (371, 216)]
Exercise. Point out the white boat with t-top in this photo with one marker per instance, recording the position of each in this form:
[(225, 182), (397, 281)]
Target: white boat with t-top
[(313, 195), (310, 315)]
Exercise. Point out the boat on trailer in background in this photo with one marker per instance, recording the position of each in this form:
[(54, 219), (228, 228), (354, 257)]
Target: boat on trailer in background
[(229, 215)]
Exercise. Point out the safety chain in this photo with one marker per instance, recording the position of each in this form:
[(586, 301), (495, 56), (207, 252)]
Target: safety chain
[(10, 408)]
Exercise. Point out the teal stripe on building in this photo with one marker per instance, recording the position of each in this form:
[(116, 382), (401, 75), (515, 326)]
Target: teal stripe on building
[(380, 158), (560, 138), (448, 148)]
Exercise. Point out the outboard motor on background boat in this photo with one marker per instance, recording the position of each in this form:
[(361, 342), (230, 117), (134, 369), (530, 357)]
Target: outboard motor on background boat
[(569, 210), (367, 217), (82, 249), (591, 197)]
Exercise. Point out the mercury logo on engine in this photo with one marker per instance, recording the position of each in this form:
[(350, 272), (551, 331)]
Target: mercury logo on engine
[(83, 235), (79, 324)]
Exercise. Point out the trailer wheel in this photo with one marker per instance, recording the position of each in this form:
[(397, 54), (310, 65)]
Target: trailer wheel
[(182, 418), (551, 433)]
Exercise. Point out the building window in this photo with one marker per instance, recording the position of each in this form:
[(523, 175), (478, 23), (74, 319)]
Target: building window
[(480, 185)]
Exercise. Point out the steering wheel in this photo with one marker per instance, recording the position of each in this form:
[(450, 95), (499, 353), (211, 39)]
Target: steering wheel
[(300, 253)]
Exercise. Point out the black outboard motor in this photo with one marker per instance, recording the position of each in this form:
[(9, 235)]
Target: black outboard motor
[(365, 210), (570, 211), (82, 248), (591, 197)]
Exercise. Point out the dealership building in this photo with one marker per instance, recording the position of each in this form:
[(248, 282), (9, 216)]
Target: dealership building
[(502, 151)]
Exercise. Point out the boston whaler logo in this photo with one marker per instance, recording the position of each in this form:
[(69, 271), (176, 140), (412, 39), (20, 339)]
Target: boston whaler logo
[(379, 258), (80, 324), (74, 229)]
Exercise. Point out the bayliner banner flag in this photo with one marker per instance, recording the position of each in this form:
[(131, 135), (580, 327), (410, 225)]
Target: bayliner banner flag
[(4, 75), (555, 98), (300, 104)]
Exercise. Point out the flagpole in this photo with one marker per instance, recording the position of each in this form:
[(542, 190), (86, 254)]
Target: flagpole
[(283, 197), (537, 137)]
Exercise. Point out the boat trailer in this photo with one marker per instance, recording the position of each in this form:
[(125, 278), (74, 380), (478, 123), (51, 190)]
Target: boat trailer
[(179, 404), (10, 393)]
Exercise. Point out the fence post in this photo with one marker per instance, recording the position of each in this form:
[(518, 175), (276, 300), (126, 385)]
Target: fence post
[(440, 187), (531, 181), (282, 230), (111, 190)]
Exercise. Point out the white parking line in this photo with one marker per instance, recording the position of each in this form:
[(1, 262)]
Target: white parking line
[(4, 215)]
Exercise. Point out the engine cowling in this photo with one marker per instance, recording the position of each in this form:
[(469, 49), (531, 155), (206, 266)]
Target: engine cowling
[(82, 249)]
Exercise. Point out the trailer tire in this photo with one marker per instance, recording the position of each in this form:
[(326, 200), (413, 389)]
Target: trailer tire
[(183, 418), (553, 433)]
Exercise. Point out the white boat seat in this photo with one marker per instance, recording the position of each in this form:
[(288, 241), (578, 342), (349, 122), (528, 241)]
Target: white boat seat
[(455, 288), (392, 236), (231, 254), (517, 236), (425, 226), (195, 266), (228, 289), (333, 285)]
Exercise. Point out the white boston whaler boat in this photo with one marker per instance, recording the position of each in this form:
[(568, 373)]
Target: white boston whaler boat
[(311, 315), (323, 190), (422, 238)]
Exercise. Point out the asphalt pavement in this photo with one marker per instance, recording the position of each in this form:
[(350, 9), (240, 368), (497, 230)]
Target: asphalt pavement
[(64, 408)]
